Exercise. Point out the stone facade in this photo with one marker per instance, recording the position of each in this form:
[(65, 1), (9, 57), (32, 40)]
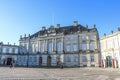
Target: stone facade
[(72, 46), (8, 53), (110, 50)]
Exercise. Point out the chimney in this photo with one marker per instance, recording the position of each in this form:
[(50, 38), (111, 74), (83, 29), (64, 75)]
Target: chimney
[(58, 26), (25, 35), (104, 34), (14, 44), (20, 36), (94, 26), (28, 35), (112, 31), (43, 28), (118, 28), (87, 26), (8, 43), (75, 23)]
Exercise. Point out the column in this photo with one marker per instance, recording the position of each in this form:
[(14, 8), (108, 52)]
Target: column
[(78, 51), (62, 44), (39, 46), (80, 42), (88, 46), (55, 47), (44, 46), (96, 42)]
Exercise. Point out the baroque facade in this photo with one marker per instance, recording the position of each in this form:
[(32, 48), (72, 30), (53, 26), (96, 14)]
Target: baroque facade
[(8, 53), (74, 46), (110, 50)]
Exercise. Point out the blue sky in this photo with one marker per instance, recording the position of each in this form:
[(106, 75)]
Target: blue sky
[(19, 17)]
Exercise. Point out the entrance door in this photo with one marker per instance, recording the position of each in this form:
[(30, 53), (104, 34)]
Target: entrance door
[(9, 60), (48, 61), (40, 61), (108, 61)]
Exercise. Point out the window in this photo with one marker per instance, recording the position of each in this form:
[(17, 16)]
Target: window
[(75, 47), (83, 37), (13, 50), (50, 49), (68, 59), (91, 46), (92, 58), (84, 47), (68, 47), (7, 50), (84, 59), (42, 48), (75, 38), (67, 38), (59, 47), (75, 59)]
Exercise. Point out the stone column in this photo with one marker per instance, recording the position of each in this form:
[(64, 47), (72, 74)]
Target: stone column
[(55, 47), (62, 40), (88, 62), (39, 46), (78, 51), (96, 42), (80, 42), (88, 46), (44, 46), (52, 45)]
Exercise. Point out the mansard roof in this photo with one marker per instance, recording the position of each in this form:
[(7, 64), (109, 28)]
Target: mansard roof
[(65, 30)]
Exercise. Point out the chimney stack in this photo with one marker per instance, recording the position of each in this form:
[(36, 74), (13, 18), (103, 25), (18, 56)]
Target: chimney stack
[(58, 25), (75, 23), (43, 28)]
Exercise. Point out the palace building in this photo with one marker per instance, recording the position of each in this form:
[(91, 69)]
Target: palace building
[(110, 50), (8, 53), (73, 46)]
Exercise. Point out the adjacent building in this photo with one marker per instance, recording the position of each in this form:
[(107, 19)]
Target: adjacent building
[(110, 50), (8, 53), (73, 46)]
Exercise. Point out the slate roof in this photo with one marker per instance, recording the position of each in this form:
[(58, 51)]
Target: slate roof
[(65, 30)]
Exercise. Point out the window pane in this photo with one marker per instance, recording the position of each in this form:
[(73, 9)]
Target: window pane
[(84, 59), (67, 47), (75, 47), (92, 58), (91, 46), (84, 47)]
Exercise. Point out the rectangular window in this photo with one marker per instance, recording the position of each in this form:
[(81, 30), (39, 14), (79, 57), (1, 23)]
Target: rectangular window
[(68, 59), (84, 59), (67, 38), (92, 58), (59, 47), (75, 38), (84, 47), (7, 50), (75, 47), (42, 48), (50, 47), (68, 48), (75, 59), (13, 50), (92, 46)]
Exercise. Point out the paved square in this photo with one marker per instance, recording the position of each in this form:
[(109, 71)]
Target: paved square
[(18, 73)]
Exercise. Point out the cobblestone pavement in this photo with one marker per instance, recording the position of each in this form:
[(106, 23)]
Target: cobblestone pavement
[(18, 73)]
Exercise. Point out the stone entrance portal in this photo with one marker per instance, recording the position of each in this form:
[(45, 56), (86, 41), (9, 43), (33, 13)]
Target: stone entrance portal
[(40, 61), (9, 60), (49, 61)]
